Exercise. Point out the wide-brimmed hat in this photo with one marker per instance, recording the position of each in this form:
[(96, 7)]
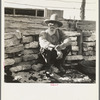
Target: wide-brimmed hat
[(53, 19)]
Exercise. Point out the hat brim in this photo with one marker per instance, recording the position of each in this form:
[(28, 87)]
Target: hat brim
[(47, 21)]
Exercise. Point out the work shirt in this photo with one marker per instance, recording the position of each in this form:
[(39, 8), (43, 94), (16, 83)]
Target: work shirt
[(59, 38)]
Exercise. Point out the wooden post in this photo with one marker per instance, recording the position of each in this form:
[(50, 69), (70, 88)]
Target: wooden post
[(82, 12), (14, 11), (45, 13), (36, 13), (80, 43), (82, 15)]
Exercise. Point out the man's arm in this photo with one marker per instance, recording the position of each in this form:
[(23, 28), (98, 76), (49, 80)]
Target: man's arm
[(66, 41), (43, 41)]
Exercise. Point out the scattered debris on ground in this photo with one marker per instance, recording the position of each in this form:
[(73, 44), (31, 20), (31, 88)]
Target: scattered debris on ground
[(31, 76)]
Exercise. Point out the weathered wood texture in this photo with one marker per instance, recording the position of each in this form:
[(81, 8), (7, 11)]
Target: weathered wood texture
[(86, 25)]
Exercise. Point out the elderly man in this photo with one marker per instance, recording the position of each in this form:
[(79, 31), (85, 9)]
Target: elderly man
[(55, 45)]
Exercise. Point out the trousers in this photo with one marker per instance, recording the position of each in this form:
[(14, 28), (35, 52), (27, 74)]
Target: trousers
[(50, 56)]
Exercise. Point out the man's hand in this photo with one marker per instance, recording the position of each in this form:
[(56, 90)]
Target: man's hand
[(60, 54), (51, 47), (58, 48)]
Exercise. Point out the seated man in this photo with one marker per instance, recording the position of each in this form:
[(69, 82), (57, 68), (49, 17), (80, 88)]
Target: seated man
[(55, 45)]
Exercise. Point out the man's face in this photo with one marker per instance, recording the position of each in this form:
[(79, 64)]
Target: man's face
[(52, 27)]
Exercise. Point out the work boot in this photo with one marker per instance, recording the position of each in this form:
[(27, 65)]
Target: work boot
[(62, 69), (49, 71)]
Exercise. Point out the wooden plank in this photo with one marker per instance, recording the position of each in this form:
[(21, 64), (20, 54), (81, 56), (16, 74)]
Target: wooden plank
[(57, 78), (25, 31), (86, 26), (86, 22), (23, 25), (24, 19), (72, 33), (71, 64), (74, 57)]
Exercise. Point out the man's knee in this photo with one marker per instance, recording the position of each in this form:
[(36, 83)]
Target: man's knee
[(69, 47)]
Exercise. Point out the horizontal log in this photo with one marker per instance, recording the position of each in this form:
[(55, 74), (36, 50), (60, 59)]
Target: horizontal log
[(89, 58), (24, 19), (72, 33), (30, 57), (25, 31), (27, 39), (86, 26), (23, 25), (86, 22), (71, 64), (21, 66), (11, 42), (14, 49), (32, 45), (9, 61), (86, 44), (74, 57), (30, 51), (31, 33)]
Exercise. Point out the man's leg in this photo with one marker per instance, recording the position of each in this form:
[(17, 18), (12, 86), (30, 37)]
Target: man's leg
[(59, 62), (49, 57)]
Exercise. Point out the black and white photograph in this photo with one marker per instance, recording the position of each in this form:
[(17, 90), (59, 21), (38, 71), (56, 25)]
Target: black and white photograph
[(50, 50), (50, 41)]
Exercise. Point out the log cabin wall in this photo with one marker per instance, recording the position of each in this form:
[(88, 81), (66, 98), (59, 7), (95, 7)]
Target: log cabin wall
[(22, 47)]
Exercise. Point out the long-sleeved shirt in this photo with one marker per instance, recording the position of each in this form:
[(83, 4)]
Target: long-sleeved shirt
[(59, 38)]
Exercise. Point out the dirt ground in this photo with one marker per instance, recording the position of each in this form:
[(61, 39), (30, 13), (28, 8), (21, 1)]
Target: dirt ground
[(72, 75)]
